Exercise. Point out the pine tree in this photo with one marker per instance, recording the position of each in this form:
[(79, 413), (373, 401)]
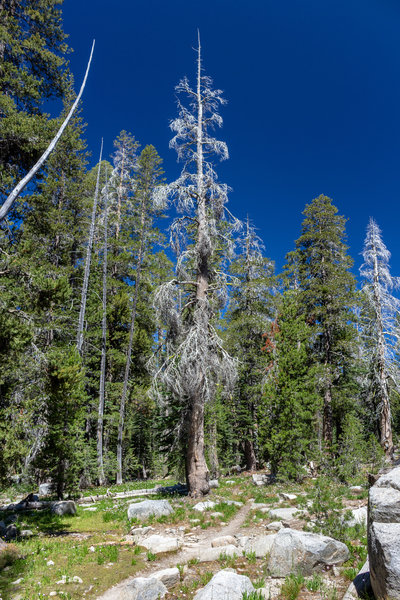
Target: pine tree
[(250, 311), (320, 266), (289, 404)]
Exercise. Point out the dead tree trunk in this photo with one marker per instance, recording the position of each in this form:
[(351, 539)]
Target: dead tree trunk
[(6, 207), (81, 321), (196, 466), (385, 417), (100, 418)]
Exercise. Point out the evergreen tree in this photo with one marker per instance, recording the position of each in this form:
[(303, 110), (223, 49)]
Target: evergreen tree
[(290, 404), (250, 310), (320, 267)]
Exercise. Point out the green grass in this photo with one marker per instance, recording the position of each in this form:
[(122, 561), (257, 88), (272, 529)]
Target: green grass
[(292, 586)]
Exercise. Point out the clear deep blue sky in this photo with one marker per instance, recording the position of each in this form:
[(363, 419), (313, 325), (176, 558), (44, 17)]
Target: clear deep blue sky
[(313, 90)]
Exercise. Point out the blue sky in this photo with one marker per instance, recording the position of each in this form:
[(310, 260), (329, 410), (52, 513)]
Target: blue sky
[(313, 90)]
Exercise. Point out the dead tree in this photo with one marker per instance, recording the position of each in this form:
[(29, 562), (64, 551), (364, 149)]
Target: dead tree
[(188, 304), (82, 311), (6, 207), (381, 330)]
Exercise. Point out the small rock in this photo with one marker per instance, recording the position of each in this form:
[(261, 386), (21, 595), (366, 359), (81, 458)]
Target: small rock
[(143, 588), (224, 540), (90, 509), (143, 510), (17, 581), (45, 489), (359, 516), (77, 579), (216, 515), (202, 506), (11, 532), (50, 563), (92, 549), (356, 489), (160, 543), (274, 526), (53, 594), (141, 530), (169, 577), (230, 482), (283, 513), (213, 483), (211, 554), (225, 584), (26, 533), (64, 507), (289, 497)]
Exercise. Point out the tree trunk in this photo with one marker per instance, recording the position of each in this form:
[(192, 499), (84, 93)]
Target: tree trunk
[(79, 339), (385, 417), (196, 466), (213, 452), (100, 464), (129, 353), (249, 453)]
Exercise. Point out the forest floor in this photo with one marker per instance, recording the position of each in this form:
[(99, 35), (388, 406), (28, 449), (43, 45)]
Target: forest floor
[(95, 546)]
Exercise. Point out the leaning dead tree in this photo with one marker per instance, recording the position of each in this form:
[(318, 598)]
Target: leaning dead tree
[(6, 207), (381, 328), (201, 238), (88, 260)]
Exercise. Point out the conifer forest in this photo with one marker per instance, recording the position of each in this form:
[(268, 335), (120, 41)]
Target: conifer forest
[(152, 345), (144, 332)]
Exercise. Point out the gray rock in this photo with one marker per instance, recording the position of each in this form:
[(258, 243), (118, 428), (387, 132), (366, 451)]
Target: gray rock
[(356, 489), (144, 588), (384, 559), (384, 504), (225, 585), (216, 515), (283, 513), (169, 577), (11, 532), (160, 543), (298, 551), (141, 531), (286, 496), (26, 533), (202, 506), (259, 479), (274, 526), (232, 502), (391, 479), (261, 545), (213, 483), (360, 587), (143, 510), (223, 540), (211, 554), (64, 507), (45, 489), (359, 516)]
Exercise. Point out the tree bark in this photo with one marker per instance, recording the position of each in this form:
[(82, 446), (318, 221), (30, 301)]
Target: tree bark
[(79, 339), (196, 466), (100, 418), (385, 417)]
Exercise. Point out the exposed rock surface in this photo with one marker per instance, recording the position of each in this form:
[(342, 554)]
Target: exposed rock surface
[(45, 489), (224, 540), (210, 554), (140, 588), (143, 510), (64, 507), (283, 513), (202, 506), (298, 551), (274, 526), (359, 516), (261, 545), (213, 483), (160, 543), (169, 577), (384, 536), (225, 585)]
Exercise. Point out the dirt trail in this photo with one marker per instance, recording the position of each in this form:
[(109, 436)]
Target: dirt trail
[(205, 538)]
